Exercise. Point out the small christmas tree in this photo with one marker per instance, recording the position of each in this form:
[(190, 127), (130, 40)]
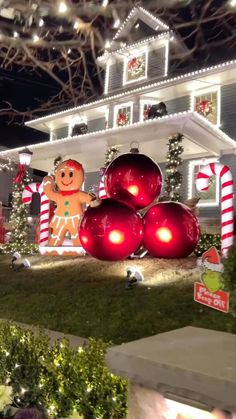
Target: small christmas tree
[(18, 219), (173, 175)]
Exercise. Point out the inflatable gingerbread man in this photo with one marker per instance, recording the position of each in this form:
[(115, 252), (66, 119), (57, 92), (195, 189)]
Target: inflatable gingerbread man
[(69, 199)]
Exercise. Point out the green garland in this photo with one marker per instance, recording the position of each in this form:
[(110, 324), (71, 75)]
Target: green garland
[(206, 241), (18, 220), (57, 378), (174, 177), (111, 154)]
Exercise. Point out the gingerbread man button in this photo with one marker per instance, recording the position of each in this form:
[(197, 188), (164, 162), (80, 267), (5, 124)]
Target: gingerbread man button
[(69, 177)]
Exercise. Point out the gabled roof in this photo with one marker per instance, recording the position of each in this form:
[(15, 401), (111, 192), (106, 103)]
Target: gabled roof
[(139, 13)]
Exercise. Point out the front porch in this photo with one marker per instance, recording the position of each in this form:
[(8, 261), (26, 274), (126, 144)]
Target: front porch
[(201, 139)]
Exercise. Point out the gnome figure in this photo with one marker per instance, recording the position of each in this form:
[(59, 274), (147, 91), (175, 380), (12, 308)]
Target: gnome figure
[(213, 269)]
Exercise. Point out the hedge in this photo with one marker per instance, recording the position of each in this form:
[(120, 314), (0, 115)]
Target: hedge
[(58, 378)]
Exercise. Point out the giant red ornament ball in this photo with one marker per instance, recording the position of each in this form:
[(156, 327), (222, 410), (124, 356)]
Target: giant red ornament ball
[(112, 231), (170, 230), (133, 178)]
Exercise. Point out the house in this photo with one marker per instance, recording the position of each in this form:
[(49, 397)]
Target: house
[(139, 73)]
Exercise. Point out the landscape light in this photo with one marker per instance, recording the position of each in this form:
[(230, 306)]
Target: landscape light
[(133, 277)]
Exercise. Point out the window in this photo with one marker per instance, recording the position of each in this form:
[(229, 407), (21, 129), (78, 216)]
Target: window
[(209, 198), (123, 114), (207, 103), (144, 108), (77, 126), (135, 67)]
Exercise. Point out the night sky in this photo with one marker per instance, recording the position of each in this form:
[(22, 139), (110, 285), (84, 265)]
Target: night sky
[(25, 91)]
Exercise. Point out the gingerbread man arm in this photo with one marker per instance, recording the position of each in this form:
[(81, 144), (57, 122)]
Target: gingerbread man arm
[(48, 188), (85, 197)]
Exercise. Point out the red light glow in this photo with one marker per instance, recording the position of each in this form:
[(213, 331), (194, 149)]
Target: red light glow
[(84, 239), (133, 189), (164, 234), (116, 237)]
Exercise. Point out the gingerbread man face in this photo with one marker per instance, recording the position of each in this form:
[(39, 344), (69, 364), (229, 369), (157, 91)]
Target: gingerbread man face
[(69, 175)]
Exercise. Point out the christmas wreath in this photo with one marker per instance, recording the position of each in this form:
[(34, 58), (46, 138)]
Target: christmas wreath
[(204, 107), (136, 66), (122, 119)]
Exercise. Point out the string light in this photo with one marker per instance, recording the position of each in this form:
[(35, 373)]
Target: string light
[(116, 23), (15, 34), (41, 23), (76, 24), (163, 83), (107, 44), (105, 3), (69, 51), (233, 3), (35, 38), (62, 8)]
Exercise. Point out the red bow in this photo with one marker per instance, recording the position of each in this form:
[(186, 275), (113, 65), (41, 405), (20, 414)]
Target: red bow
[(132, 63), (20, 174)]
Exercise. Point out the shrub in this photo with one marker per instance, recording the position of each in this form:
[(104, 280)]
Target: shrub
[(206, 241), (229, 278), (59, 378)]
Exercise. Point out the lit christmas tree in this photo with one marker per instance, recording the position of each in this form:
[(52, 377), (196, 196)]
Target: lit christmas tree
[(18, 220), (173, 175), (111, 154)]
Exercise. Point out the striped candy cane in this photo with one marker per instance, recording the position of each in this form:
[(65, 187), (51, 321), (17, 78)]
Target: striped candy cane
[(227, 199), (44, 209), (101, 189)]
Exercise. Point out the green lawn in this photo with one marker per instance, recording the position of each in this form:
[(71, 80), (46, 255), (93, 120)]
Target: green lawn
[(88, 298)]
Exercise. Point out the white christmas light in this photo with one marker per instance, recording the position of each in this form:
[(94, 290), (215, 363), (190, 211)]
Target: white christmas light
[(129, 92), (76, 24), (116, 23), (35, 38), (105, 3), (15, 34), (233, 3), (62, 8), (107, 44), (131, 46), (69, 51), (41, 23)]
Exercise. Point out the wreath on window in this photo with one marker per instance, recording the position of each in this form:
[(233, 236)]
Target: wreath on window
[(122, 119), (204, 107), (136, 66)]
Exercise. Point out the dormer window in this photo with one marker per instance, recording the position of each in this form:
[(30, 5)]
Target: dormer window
[(135, 67)]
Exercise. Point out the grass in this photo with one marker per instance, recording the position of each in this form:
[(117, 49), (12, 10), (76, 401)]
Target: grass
[(86, 297)]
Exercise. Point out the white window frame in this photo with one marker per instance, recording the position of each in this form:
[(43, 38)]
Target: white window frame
[(146, 102), (122, 105), (212, 89), (125, 69), (191, 180)]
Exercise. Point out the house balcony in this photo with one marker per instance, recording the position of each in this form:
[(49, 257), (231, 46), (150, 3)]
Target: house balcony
[(201, 139)]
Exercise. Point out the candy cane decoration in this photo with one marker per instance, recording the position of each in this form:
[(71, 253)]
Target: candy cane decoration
[(101, 189), (28, 192), (227, 199)]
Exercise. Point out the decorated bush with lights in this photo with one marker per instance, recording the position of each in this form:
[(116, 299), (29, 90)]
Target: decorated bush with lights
[(170, 230), (61, 380)]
